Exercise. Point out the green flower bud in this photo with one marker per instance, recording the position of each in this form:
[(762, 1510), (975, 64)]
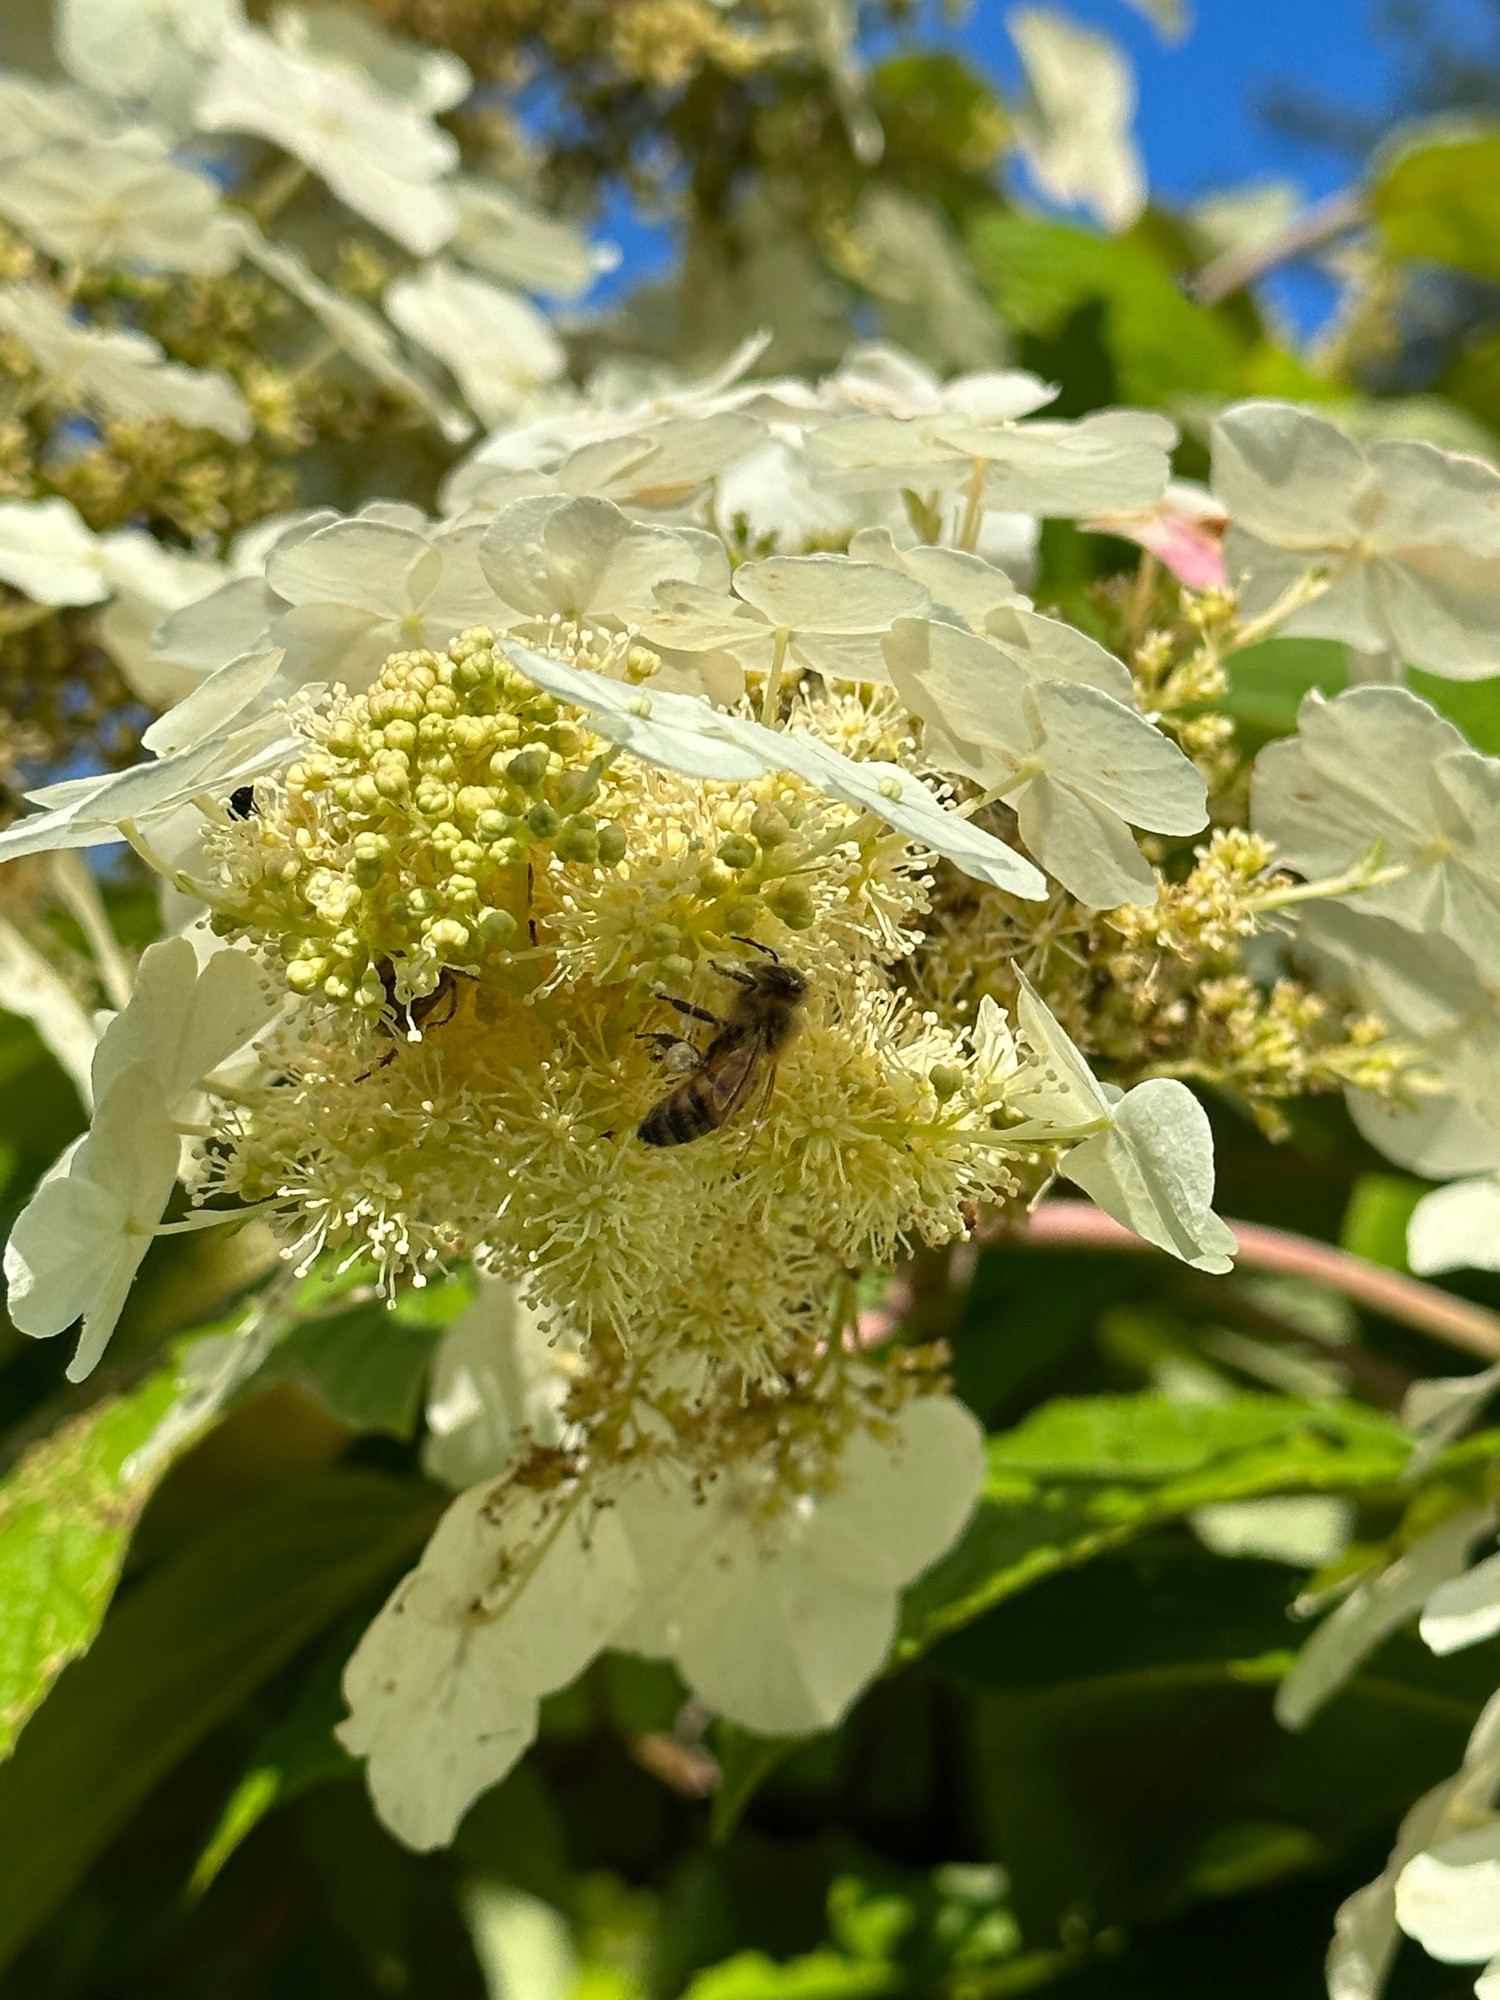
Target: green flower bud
[(612, 845), (495, 926), (370, 992), (576, 841), (769, 825), (474, 669), (473, 800), (528, 769), (737, 852), (946, 1081), (543, 820), (434, 799), (303, 976), (791, 903), (448, 935)]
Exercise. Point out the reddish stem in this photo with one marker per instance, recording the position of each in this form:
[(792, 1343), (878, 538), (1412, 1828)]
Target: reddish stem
[(1075, 1225)]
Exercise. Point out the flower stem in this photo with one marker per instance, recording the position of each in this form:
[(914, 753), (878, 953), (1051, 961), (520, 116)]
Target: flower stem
[(1076, 1226), (1306, 588), (968, 534), (276, 190), (772, 692), (1142, 593), (78, 889), (1365, 874)]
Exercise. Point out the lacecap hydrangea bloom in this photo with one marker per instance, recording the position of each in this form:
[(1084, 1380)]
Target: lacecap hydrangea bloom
[(583, 901)]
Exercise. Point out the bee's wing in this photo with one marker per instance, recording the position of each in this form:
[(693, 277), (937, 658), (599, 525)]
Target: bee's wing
[(732, 1075)]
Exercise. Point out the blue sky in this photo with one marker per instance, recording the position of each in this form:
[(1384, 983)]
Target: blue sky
[(1200, 100), (1201, 121), (1198, 120)]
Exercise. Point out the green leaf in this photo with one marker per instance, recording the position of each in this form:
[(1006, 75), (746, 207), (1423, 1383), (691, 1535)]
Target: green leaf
[(368, 1364), (1080, 1477), (183, 1651), (1473, 705), (1127, 1753), (1441, 202), (301, 1752), (745, 1762), (67, 1509), (1162, 345), (1267, 682), (817, 1975), (1374, 1226)]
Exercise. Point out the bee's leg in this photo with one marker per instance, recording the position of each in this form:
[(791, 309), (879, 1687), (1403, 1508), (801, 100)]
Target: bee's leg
[(530, 919), (665, 1042), (755, 945), (768, 1089), (438, 1007), (380, 1062), (736, 973), (693, 1013)]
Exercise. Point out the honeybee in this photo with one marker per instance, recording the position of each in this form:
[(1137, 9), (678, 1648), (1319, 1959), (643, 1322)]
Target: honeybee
[(747, 1044)]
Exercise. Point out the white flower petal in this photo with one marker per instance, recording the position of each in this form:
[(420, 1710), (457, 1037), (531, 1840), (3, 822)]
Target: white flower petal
[(114, 203), (583, 557), (1448, 1898), (185, 1019), (47, 552), (1153, 1170), (1075, 131), (32, 988), (1088, 848), (361, 334), (904, 1500), (88, 812), (435, 1724), (779, 1618), (506, 238), (513, 1596), (1408, 535), (382, 156), (116, 372), (494, 1376), (75, 1248), (1463, 1612), (1456, 1228), (497, 346), (828, 594), (1115, 757), (1372, 1611), (429, 79)]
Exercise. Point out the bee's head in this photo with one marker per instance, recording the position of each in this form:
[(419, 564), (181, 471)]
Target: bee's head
[(780, 981)]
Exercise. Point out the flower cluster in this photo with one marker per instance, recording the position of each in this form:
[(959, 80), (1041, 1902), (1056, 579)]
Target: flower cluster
[(680, 880)]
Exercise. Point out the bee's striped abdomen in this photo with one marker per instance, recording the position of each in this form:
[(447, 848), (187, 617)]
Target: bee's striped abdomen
[(701, 1102), (692, 1111)]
